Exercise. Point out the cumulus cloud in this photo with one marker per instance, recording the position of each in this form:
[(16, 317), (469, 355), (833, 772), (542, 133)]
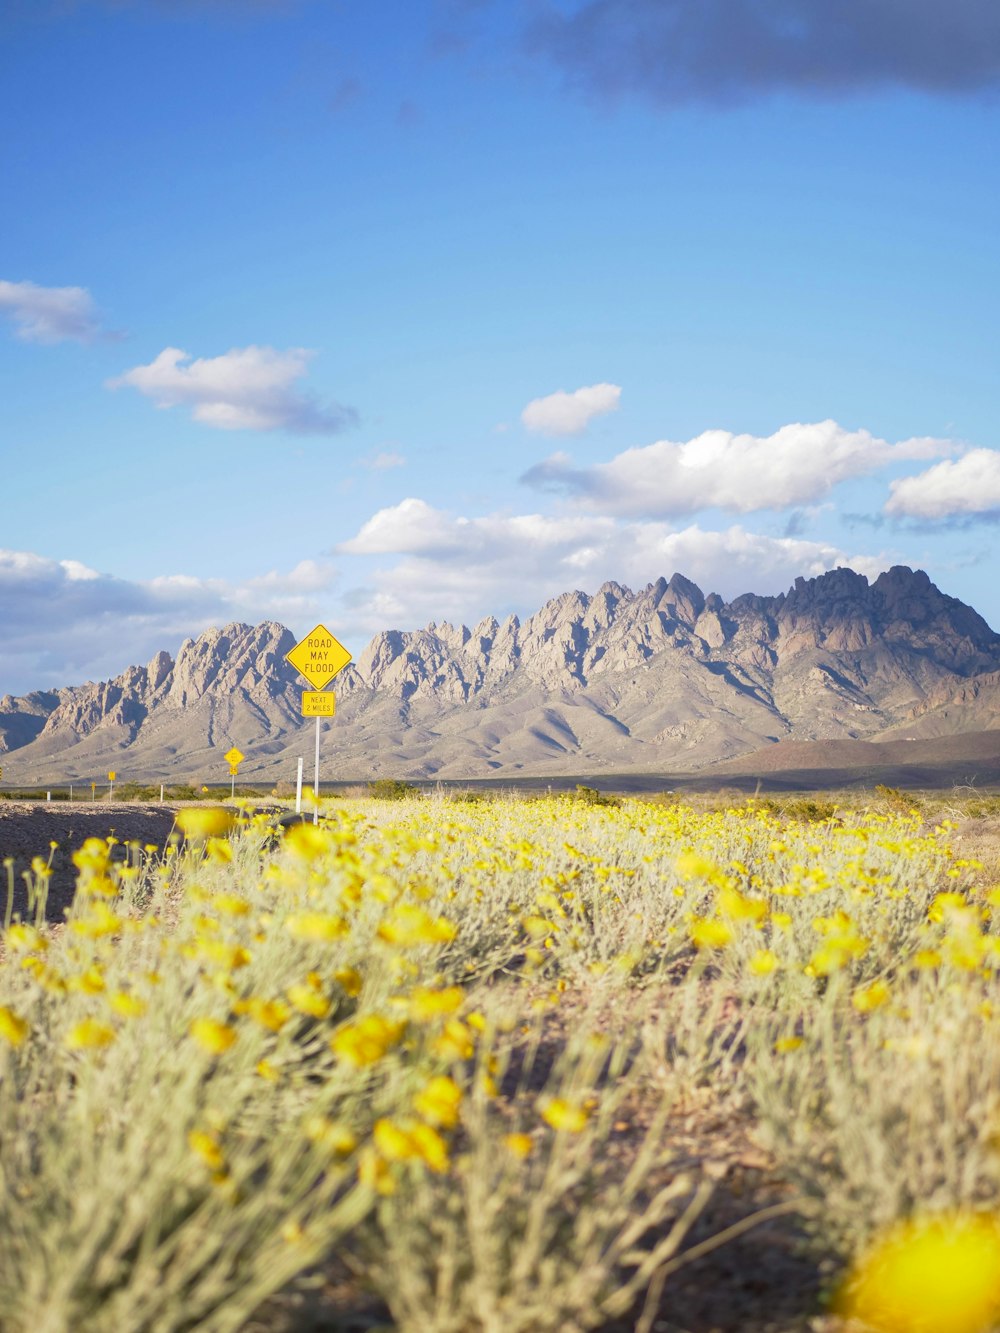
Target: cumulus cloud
[(569, 413), (964, 488), (49, 314), (247, 388), (723, 51), (797, 465), (65, 623), (456, 567)]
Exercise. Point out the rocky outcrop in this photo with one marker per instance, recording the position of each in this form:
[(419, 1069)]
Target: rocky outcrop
[(662, 678)]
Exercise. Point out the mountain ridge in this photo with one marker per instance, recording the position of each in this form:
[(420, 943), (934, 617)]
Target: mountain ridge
[(665, 678)]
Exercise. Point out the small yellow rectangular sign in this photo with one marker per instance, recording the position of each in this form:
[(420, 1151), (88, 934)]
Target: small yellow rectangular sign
[(318, 703), (112, 775)]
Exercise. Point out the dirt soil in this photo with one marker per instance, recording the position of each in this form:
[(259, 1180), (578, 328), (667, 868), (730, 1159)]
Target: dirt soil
[(28, 829)]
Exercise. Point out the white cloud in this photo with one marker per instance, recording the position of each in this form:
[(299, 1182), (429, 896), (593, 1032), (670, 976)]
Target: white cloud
[(247, 388), (49, 314), (460, 568), (65, 623), (964, 488), (569, 413), (796, 465), (384, 461)]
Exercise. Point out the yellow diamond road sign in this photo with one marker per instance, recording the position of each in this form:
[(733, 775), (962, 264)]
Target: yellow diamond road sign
[(234, 757), (319, 657), (317, 704)]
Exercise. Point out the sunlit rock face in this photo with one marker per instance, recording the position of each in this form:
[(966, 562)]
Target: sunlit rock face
[(659, 679)]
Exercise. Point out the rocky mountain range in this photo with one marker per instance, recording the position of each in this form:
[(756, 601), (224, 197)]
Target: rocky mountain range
[(660, 680)]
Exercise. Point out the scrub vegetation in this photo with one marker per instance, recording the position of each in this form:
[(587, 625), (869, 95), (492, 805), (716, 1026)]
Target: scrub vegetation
[(454, 1042)]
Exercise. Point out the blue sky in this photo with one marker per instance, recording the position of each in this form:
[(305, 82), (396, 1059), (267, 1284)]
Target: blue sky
[(376, 315)]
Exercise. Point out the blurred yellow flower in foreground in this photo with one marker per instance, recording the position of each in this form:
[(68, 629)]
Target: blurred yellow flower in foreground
[(89, 1034), (212, 1036), (12, 1028), (564, 1115), (928, 1275), (205, 821)]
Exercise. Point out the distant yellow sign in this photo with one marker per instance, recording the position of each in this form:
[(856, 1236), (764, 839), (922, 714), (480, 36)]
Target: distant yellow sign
[(317, 704), (318, 657), (112, 775), (233, 769), (234, 757)]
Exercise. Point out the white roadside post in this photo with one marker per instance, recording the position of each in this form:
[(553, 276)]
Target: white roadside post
[(298, 789), (318, 658)]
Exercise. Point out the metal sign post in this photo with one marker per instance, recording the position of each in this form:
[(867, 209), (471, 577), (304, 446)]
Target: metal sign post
[(318, 657)]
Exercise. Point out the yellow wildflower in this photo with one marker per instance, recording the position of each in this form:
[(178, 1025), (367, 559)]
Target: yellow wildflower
[(128, 1005), (307, 1000), (212, 1036), (439, 1101), (928, 1275), (426, 1004), (408, 925), (520, 1145), (563, 1115), (89, 1033), (709, 933), (13, 1029), (455, 1041), (198, 822), (350, 979), (763, 963), (366, 1040), (206, 1146), (871, 997), (319, 926)]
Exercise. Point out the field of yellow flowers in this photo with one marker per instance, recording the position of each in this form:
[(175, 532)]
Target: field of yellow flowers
[(451, 1043)]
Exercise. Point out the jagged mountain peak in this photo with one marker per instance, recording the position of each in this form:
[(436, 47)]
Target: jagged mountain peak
[(665, 676)]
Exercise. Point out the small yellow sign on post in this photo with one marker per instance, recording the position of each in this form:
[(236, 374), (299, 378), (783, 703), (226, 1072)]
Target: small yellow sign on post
[(319, 657), (112, 775), (234, 757), (317, 703), (234, 769)]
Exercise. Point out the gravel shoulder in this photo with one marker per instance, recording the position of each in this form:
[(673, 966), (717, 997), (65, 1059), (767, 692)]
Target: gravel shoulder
[(28, 829)]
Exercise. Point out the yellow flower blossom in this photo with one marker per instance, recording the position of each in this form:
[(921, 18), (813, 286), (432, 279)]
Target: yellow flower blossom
[(307, 1000), (89, 1034), (563, 1115), (128, 1005), (13, 1028), (871, 997), (206, 1146), (408, 925), (709, 933), (317, 926), (928, 1275), (520, 1145), (426, 1004), (212, 1036), (438, 1102), (200, 822), (366, 1040), (350, 979), (763, 963), (455, 1041)]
